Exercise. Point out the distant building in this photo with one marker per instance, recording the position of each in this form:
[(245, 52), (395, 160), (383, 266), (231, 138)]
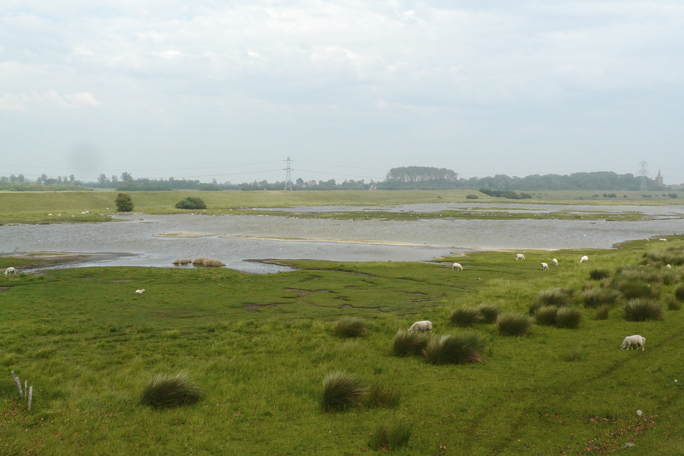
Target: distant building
[(659, 179)]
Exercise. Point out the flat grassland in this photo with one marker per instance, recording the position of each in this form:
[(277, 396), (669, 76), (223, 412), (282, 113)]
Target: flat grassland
[(68, 207), (259, 347)]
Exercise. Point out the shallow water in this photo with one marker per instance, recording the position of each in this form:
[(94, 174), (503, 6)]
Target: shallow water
[(339, 240)]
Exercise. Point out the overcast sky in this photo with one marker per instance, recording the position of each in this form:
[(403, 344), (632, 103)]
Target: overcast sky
[(346, 89)]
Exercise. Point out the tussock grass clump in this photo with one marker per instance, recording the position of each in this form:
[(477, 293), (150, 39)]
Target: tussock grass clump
[(673, 256), (488, 312), (673, 304), (643, 310), (568, 318), (465, 316), (341, 391), (546, 315), (165, 391), (679, 293), (602, 312), (649, 275), (350, 327), (381, 396), (599, 274), (455, 349), (410, 343), (596, 297), (390, 436), (575, 355), (558, 297), (207, 263), (512, 324), (634, 290)]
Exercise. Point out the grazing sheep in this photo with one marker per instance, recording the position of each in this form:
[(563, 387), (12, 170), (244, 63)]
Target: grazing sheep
[(584, 259), (633, 340), (10, 270), (519, 256), (457, 266), (421, 326), (140, 291), (667, 266), (663, 239), (545, 267), (555, 262)]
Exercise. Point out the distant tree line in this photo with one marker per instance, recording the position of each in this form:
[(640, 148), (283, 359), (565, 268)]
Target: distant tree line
[(404, 178)]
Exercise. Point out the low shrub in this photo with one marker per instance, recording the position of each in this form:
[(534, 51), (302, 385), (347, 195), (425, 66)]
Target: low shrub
[(350, 327), (124, 202), (166, 391), (472, 197), (488, 312), (679, 293), (599, 274), (512, 324), (465, 316), (381, 396), (410, 343), (568, 318), (191, 203), (390, 436), (596, 297), (643, 310), (602, 312), (546, 315), (341, 391), (455, 349)]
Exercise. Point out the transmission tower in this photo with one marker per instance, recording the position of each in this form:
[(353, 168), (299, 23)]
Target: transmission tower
[(288, 175), (643, 172)]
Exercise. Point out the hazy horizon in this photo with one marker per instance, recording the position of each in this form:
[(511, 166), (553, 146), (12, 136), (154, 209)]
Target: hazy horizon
[(347, 90)]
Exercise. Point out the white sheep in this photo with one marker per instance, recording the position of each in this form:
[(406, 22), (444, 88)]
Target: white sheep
[(140, 291), (519, 256), (10, 270), (584, 259), (555, 262), (663, 239), (545, 267), (457, 266), (633, 340), (667, 266), (424, 325)]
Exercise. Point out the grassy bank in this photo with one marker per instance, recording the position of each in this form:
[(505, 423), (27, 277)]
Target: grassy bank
[(260, 346), (68, 207)]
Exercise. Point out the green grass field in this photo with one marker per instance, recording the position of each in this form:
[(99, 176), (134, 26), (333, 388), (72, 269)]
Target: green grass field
[(260, 346), (68, 207)]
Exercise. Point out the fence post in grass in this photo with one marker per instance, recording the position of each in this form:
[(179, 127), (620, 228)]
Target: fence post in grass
[(25, 387), (18, 383), (30, 397)]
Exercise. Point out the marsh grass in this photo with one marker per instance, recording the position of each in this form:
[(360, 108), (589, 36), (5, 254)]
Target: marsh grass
[(455, 349), (181, 261), (410, 343), (341, 391), (350, 327), (465, 316), (599, 274), (488, 312), (568, 318), (546, 315), (207, 263), (602, 312), (673, 304), (381, 396), (644, 310), (170, 391), (596, 297), (390, 436), (513, 324)]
